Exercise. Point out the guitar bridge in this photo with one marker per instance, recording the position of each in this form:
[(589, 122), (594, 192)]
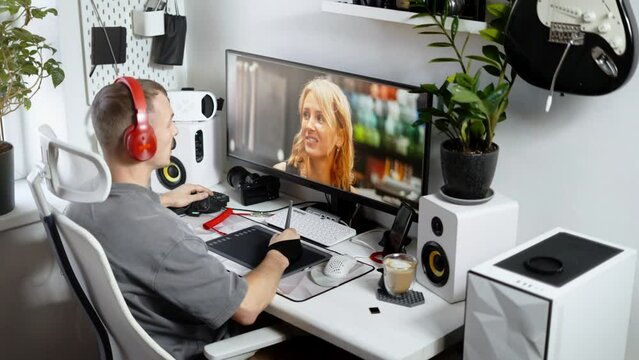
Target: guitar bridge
[(563, 33)]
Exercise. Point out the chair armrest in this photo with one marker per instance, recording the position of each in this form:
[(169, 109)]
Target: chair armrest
[(249, 342)]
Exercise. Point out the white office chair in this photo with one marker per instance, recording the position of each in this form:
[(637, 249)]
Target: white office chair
[(87, 269)]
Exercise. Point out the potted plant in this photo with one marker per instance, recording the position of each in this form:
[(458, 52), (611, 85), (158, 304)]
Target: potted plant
[(25, 61), (470, 103)]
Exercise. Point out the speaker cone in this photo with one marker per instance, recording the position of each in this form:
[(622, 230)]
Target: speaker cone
[(172, 175), (435, 263)]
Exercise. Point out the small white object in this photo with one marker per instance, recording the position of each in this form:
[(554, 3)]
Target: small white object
[(589, 16), (548, 103), (617, 43), (603, 27), (338, 266), (148, 23)]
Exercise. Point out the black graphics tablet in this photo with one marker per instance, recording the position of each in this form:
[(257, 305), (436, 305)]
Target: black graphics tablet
[(248, 247)]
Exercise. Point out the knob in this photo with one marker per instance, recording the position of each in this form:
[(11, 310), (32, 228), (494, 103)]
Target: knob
[(589, 16), (616, 43), (603, 27)]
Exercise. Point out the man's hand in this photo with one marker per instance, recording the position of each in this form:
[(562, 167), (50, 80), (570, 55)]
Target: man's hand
[(184, 195), (288, 244)]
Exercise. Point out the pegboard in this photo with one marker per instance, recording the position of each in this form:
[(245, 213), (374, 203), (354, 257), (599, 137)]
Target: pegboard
[(138, 48)]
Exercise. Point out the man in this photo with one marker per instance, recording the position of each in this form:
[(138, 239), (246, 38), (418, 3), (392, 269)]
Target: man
[(182, 296)]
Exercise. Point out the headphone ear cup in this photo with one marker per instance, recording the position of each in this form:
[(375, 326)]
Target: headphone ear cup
[(236, 176), (140, 143)]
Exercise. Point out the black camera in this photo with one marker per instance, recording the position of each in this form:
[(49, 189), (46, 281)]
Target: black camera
[(254, 188)]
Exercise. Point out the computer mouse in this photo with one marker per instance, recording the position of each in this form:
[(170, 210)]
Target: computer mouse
[(338, 266)]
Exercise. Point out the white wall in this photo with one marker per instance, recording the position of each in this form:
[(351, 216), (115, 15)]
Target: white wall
[(573, 167)]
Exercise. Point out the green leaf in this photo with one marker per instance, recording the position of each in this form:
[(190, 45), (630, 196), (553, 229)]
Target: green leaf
[(431, 33), (492, 70), (483, 59), (440, 44), (29, 69), (491, 35), (498, 9), (477, 129), (463, 95), (442, 60), (465, 80), (57, 76), (38, 14), (454, 26), (493, 99), (491, 52), (430, 88), (26, 103)]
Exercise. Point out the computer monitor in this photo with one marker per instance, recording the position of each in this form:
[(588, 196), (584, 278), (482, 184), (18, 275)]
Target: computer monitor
[(347, 135)]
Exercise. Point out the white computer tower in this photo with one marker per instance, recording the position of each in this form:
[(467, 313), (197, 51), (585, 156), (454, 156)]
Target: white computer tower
[(453, 238), (562, 295), (192, 158)]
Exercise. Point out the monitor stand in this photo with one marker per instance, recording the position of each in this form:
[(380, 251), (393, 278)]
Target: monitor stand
[(345, 209)]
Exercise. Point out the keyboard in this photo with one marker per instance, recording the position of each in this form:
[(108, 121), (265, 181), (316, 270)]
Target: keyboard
[(318, 229)]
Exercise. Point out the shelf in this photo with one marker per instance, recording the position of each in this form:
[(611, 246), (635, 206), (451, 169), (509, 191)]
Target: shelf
[(395, 16)]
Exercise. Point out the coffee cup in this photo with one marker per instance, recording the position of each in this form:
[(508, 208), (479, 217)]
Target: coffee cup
[(399, 273)]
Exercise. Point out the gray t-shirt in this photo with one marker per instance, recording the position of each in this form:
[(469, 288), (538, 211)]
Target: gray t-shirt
[(180, 294)]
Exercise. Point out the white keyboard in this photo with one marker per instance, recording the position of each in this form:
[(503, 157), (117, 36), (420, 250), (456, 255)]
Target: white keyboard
[(316, 228)]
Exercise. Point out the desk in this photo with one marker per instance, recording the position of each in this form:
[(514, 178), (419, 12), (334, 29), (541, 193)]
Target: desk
[(341, 316)]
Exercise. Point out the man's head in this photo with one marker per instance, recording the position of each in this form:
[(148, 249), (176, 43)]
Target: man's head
[(113, 111)]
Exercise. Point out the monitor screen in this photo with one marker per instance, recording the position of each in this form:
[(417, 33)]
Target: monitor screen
[(344, 134)]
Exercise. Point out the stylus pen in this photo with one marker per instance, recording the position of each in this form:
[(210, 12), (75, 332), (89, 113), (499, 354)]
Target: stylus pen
[(288, 214)]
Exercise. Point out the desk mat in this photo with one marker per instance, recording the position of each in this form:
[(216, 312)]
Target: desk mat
[(300, 286)]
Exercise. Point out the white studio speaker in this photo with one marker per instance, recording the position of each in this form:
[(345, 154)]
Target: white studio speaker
[(192, 157), (453, 238), (192, 105), (562, 295)]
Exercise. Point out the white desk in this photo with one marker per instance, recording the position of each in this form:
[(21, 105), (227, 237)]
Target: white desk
[(341, 315)]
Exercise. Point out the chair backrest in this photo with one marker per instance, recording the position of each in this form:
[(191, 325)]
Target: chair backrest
[(81, 256), (128, 337)]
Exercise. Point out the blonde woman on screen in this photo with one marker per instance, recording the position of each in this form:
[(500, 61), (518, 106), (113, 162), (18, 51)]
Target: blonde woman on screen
[(323, 149)]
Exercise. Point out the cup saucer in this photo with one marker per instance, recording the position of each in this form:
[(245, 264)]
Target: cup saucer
[(458, 201)]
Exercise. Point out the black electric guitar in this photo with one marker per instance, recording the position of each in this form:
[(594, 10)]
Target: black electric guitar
[(596, 39)]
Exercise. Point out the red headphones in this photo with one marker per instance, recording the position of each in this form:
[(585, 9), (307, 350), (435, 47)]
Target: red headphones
[(139, 138)]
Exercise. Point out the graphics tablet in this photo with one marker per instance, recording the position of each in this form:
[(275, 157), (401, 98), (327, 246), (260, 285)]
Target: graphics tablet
[(248, 248)]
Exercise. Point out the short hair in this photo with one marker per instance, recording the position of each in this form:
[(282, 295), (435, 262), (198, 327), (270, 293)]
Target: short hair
[(112, 111)]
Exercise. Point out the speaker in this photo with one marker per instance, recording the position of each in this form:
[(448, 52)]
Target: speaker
[(192, 105), (561, 295), (191, 159), (453, 238)]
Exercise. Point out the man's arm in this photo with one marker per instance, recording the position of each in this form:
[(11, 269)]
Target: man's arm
[(263, 280), (184, 195)]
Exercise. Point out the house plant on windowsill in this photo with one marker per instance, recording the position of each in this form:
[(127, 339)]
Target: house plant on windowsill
[(468, 109), (24, 64)]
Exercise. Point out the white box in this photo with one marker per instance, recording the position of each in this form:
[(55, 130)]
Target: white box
[(148, 23), (577, 308)]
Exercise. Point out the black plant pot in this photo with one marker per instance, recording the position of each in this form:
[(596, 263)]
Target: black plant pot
[(467, 176), (7, 183)]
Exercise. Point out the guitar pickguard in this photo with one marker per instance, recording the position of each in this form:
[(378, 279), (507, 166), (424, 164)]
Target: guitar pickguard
[(600, 17)]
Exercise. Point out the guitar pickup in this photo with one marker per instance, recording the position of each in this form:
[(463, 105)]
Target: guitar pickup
[(563, 33)]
